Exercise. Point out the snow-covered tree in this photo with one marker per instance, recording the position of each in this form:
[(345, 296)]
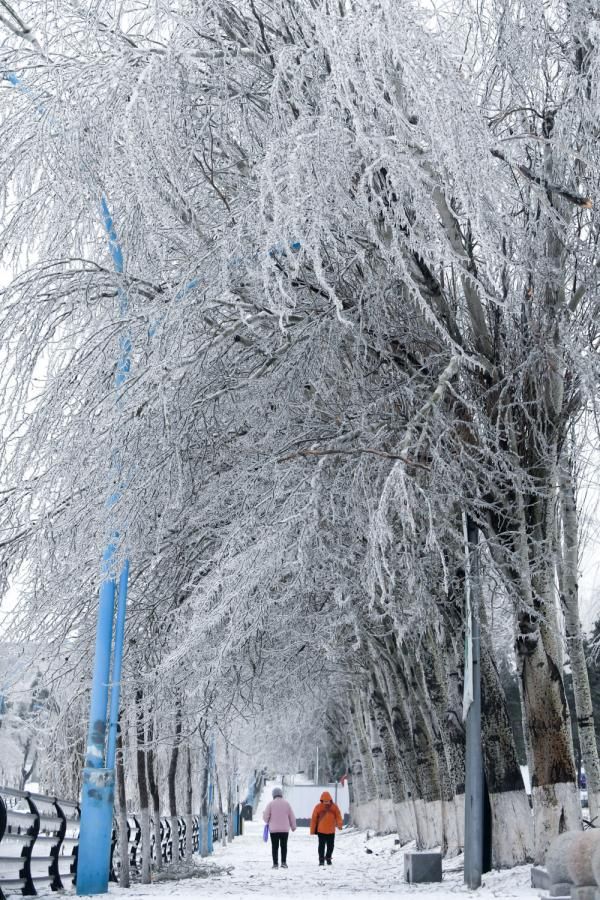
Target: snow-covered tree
[(358, 302)]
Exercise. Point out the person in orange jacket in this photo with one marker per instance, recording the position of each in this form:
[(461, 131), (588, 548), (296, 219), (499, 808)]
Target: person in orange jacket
[(325, 817)]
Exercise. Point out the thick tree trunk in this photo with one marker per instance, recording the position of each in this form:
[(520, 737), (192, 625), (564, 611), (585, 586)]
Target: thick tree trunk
[(204, 823), (450, 677), (554, 789), (569, 592), (512, 826), (230, 834), (189, 820), (433, 694), (455, 735), (230, 768), (434, 778), (412, 728), (172, 786), (402, 805), (155, 795), (402, 731), (124, 880), (350, 782), (554, 792), (358, 788), (385, 822), (377, 755), (363, 744), (143, 788), (529, 573), (220, 816), (366, 813)]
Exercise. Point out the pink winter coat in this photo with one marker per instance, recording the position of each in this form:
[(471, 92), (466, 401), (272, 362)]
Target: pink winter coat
[(279, 815)]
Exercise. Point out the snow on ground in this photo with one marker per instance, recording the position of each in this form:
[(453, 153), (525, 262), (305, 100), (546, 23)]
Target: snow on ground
[(242, 869), (354, 873)]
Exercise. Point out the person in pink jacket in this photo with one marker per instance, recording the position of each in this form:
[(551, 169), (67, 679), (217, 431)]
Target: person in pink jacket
[(280, 817)]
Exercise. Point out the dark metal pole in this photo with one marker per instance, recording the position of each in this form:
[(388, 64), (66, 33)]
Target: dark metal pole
[(474, 784)]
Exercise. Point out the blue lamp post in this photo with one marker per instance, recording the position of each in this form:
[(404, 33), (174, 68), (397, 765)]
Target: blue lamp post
[(97, 799), (211, 793), (93, 859)]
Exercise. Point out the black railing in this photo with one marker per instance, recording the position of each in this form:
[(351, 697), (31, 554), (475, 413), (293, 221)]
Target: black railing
[(38, 842), (39, 837), (134, 843)]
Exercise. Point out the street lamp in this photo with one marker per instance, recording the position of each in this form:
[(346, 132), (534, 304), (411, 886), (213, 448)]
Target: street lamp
[(474, 782)]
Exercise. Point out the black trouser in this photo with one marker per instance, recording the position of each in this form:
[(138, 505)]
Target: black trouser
[(279, 838), (326, 842)]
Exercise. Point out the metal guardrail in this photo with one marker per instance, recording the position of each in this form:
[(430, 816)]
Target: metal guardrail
[(38, 842), (39, 839), (165, 843)]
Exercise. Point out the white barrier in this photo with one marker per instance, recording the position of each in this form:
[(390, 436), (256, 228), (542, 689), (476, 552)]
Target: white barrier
[(304, 797)]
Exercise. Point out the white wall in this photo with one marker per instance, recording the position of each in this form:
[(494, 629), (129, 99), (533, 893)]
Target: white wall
[(304, 797)]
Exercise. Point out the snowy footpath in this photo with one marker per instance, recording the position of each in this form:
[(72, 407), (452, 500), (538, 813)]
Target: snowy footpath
[(243, 869)]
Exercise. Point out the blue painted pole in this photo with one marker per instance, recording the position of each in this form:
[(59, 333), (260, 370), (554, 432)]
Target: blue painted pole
[(113, 242), (97, 797), (123, 368), (97, 726), (97, 804), (115, 691)]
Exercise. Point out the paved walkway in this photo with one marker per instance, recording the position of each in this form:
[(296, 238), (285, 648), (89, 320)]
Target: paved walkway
[(243, 869)]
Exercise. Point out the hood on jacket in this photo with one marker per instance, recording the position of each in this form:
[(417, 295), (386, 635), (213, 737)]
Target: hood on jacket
[(326, 796)]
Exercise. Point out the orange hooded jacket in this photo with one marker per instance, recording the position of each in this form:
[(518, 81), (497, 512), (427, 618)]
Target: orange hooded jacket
[(326, 816)]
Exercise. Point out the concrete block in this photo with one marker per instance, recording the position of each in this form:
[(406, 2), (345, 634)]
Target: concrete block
[(557, 856), (584, 892), (596, 865), (579, 860), (562, 889), (540, 878), (422, 867)]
